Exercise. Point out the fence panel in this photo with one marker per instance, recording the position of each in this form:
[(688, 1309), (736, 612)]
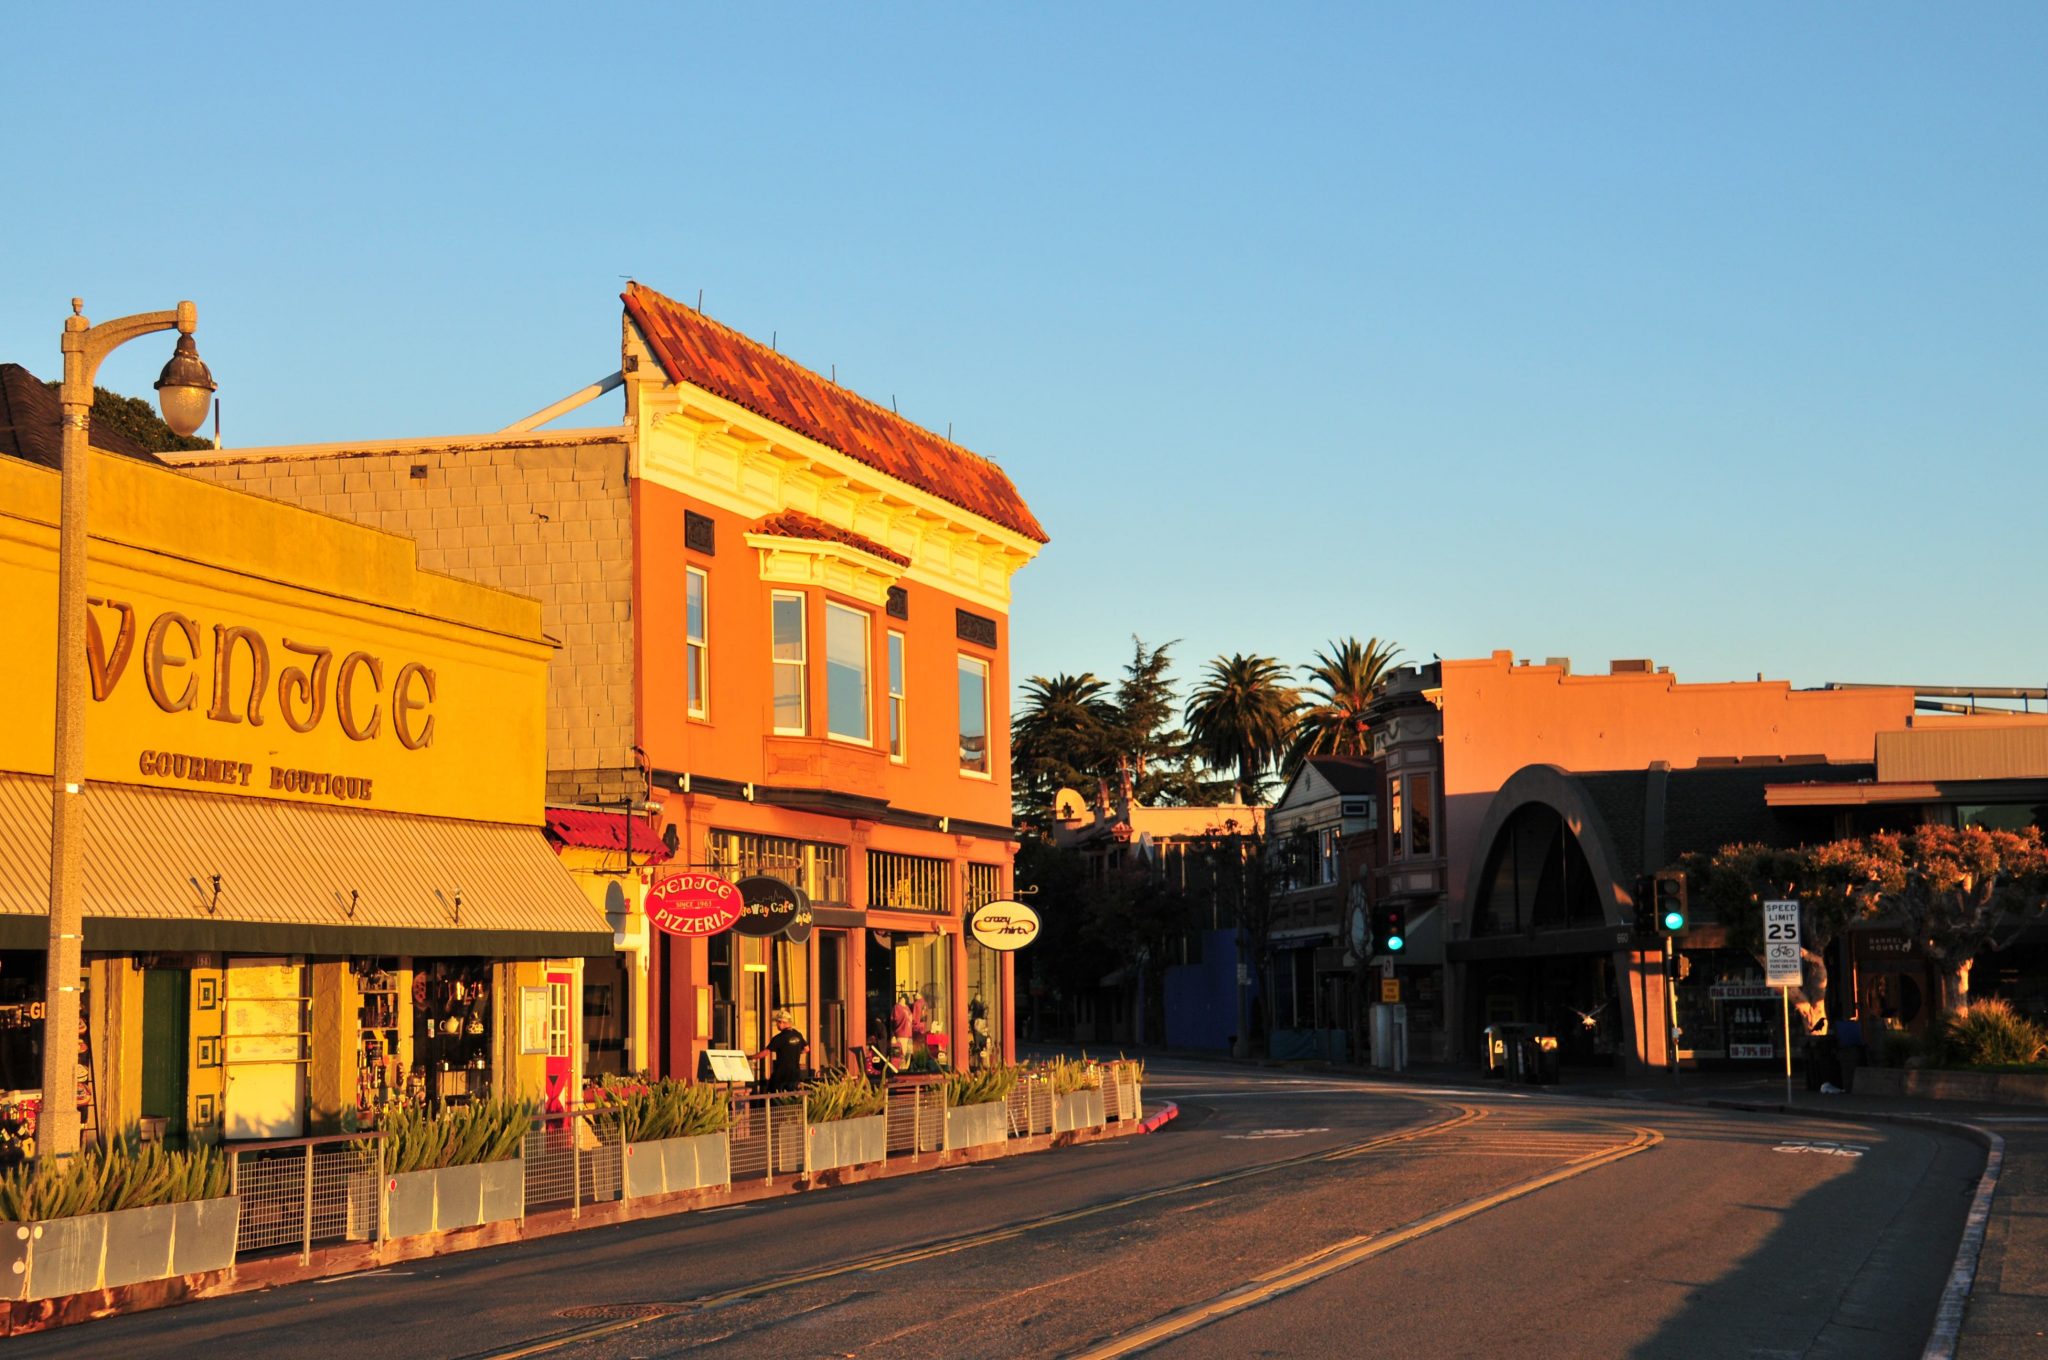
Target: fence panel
[(306, 1192), (761, 1123), (551, 1156), (916, 1115)]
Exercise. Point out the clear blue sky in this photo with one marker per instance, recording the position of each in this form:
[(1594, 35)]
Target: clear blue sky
[(1716, 334)]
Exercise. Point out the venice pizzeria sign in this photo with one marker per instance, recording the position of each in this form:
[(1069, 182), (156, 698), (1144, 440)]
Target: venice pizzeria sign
[(693, 904)]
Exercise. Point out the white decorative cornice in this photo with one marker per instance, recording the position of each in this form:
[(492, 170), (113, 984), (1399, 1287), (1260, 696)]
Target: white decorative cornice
[(718, 452), (817, 562)]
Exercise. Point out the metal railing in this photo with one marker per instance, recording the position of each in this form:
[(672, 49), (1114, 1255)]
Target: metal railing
[(1030, 1106), (916, 1114), (308, 1192), (568, 1162), (765, 1136)]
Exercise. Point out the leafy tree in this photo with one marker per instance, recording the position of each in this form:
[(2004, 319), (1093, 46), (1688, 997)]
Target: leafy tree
[(1059, 738), (1143, 733), (1958, 890), (1241, 717), (1732, 884), (1340, 689), (1135, 914)]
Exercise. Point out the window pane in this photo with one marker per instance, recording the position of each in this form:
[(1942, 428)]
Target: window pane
[(789, 628), (973, 715), (694, 640), (896, 695), (1394, 819), (788, 625), (846, 672), (1421, 806)]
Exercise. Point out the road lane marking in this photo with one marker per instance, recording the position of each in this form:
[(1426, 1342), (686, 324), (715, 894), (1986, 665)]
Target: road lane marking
[(1349, 1252), (889, 1260)]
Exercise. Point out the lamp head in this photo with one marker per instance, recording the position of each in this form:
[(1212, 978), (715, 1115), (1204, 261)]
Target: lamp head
[(186, 388)]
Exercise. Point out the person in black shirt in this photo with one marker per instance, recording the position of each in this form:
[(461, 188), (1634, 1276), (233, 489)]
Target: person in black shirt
[(785, 1051)]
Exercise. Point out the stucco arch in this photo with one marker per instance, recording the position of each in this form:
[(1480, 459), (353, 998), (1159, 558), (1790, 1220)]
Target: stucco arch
[(1555, 788)]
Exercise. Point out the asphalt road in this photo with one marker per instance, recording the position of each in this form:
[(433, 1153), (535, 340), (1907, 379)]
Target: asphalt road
[(1278, 1216)]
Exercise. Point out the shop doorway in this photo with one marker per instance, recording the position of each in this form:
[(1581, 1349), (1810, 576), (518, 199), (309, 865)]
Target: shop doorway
[(166, 1047), (263, 1049), (560, 1063), (832, 1032)]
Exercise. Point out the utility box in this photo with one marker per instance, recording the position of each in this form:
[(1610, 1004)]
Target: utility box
[(1390, 1037)]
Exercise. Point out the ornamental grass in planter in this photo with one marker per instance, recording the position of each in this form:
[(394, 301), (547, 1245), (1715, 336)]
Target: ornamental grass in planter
[(652, 1112), (977, 1103), (116, 1214), (846, 1096), (123, 1174), (847, 1123), (454, 1169), (673, 1132)]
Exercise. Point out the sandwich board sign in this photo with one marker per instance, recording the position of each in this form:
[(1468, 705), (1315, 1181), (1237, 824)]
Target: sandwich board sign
[(1781, 944)]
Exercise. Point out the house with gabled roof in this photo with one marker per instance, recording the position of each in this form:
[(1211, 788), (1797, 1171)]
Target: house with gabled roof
[(782, 620)]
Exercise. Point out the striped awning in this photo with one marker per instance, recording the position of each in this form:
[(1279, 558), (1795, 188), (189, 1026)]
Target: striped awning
[(171, 870)]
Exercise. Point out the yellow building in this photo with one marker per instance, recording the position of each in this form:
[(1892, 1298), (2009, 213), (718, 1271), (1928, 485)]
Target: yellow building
[(316, 876)]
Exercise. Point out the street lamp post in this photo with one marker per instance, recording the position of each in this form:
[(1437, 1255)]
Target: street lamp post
[(185, 390)]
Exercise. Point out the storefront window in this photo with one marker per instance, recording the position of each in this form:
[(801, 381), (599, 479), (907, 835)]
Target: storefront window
[(452, 1001), (984, 975), (819, 870), (909, 882), (924, 998), (380, 1079)]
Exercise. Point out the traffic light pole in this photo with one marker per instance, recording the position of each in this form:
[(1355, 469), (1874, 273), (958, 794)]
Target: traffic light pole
[(1671, 1030)]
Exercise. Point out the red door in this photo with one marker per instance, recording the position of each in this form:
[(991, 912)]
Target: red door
[(560, 1041)]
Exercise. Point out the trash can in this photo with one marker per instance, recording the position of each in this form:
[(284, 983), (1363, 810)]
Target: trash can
[(1541, 1046), (1502, 1045)]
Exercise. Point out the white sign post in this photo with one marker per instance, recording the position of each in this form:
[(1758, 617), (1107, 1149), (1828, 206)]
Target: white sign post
[(1781, 967)]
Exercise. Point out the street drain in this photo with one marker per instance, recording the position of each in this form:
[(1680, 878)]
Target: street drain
[(614, 1312)]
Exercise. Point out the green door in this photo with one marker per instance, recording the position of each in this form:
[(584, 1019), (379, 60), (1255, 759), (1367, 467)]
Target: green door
[(165, 1039)]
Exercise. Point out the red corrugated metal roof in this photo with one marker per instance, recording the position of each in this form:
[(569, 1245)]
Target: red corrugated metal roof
[(592, 829), (796, 524), (695, 349)]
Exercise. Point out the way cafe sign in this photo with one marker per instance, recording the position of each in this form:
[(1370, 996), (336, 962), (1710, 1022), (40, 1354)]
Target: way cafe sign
[(693, 904), (1005, 925)]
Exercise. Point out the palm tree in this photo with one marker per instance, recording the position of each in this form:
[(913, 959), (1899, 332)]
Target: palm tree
[(1341, 685), (1242, 715), (1059, 738)]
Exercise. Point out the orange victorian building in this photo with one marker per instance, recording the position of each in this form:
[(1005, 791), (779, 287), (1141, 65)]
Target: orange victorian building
[(782, 622)]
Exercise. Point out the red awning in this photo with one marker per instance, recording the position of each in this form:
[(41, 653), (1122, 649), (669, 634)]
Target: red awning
[(594, 829)]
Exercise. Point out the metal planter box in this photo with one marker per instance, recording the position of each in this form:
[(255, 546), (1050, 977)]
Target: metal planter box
[(848, 1142), (977, 1125), (64, 1255), (203, 1235), (138, 1245), (1077, 1110), (451, 1197), (504, 1190), (670, 1164)]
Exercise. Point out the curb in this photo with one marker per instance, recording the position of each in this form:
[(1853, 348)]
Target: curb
[(1955, 1296), (1151, 1122)]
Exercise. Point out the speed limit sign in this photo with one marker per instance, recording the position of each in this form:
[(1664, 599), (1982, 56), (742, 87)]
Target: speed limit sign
[(1781, 944)]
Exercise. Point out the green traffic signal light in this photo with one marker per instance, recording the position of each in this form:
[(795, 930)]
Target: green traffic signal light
[(1671, 902)]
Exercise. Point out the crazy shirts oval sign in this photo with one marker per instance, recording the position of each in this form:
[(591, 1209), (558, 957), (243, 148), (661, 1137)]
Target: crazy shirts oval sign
[(1005, 925), (693, 904)]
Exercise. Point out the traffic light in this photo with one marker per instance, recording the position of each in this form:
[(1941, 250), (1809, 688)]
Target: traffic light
[(1390, 930), (1670, 901), (1646, 908)]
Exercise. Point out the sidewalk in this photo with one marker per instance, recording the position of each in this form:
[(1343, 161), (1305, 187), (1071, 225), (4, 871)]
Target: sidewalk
[(2006, 1313)]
